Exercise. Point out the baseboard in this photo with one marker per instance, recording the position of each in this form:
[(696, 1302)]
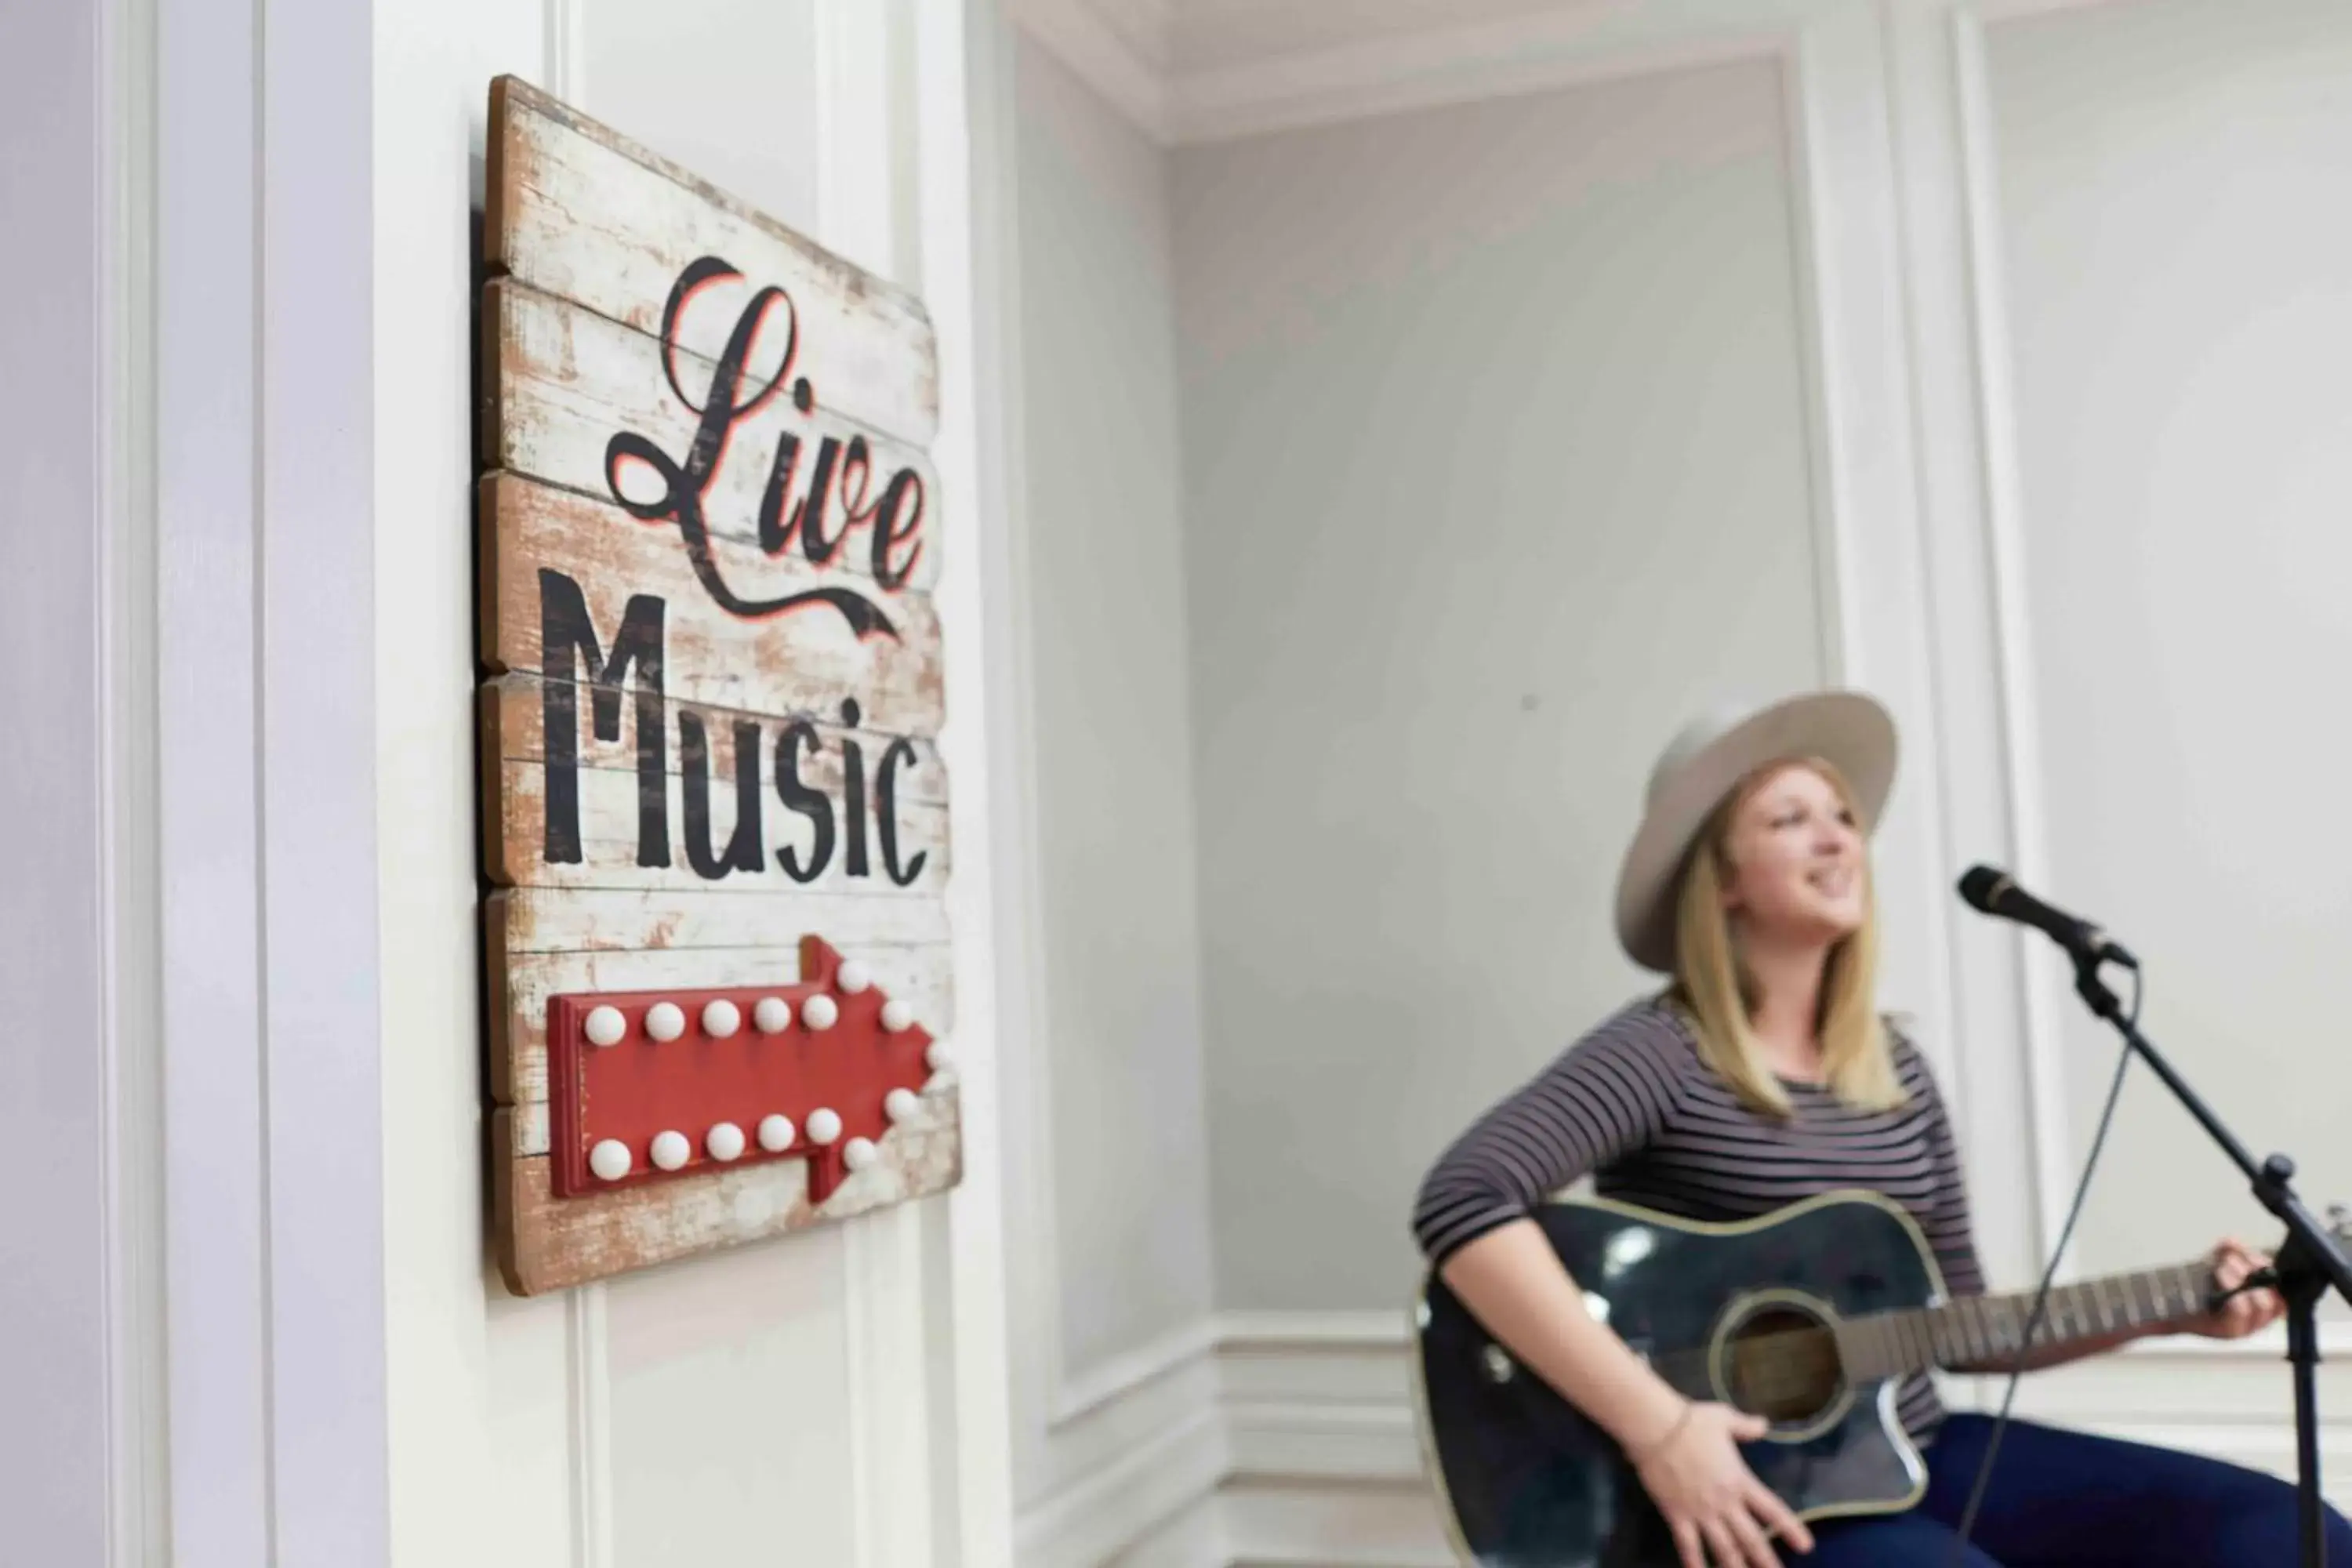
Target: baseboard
[(1327, 1455), (1331, 1524), (1134, 1502), (1194, 1538)]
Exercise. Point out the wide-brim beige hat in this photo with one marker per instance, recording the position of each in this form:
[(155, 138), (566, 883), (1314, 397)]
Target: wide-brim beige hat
[(1707, 761)]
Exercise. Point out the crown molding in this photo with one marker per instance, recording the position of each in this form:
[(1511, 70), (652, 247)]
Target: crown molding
[(1433, 67), (1075, 33), (1125, 60), (1150, 25), (1421, 69)]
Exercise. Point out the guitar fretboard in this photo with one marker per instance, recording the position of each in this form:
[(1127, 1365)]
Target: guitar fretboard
[(1991, 1330)]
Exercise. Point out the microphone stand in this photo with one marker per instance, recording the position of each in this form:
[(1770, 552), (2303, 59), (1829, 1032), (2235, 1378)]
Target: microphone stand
[(2309, 1264)]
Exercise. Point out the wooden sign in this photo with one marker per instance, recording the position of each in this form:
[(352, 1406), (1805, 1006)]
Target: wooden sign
[(713, 809)]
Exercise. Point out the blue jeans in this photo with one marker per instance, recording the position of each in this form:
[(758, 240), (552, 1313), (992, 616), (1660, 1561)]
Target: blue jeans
[(2067, 1499)]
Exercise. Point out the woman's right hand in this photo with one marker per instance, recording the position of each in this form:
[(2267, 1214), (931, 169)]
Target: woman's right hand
[(1719, 1512)]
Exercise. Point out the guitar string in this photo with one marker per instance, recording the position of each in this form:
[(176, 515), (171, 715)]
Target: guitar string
[(1781, 1364)]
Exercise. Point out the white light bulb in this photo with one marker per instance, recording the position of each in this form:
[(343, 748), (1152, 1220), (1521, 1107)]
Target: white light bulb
[(775, 1133), (664, 1021), (609, 1159), (773, 1016), (721, 1018), (823, 1126), (606, 1026), (901, 1104), (938, 1057), (853, 978), (859, 1153), (671, 1149), (897, 1015), (725, 1142), (820, 1012)]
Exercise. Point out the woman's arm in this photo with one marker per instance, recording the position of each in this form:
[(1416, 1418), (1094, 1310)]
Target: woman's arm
[(1686, 1454), (1514, 1286), (1603, 1099)]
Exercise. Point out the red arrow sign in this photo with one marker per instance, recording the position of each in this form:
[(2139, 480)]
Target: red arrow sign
[(649, 1086)]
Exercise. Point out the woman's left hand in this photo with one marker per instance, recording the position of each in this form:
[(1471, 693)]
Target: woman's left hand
[(2244, 1314)]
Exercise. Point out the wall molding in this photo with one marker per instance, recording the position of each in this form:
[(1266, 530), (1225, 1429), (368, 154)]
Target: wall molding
[(2013, 666), (952, 128), (85, 1302), (1127, 1372), (132, 789), (1320, 1331), (588, 1424), (269, 915)]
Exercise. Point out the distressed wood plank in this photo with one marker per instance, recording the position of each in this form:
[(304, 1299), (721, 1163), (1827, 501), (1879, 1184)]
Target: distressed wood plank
[(732, 520), (514, 841), (580, 211), (807, 661), (924, 976), (543, 1243), (564, 382), (515, 786), (571, 919), (517, 728)]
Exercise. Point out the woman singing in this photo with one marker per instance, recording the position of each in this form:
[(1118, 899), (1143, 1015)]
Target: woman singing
[(1761, 1075)]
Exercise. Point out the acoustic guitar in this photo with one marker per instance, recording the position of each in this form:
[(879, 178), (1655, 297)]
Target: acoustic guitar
[(1810, 1316)]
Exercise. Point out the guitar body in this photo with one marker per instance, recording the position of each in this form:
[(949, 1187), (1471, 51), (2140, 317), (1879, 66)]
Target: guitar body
[(1530, 1483)]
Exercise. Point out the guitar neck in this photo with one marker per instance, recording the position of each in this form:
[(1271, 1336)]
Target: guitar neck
[(1978, 1331)]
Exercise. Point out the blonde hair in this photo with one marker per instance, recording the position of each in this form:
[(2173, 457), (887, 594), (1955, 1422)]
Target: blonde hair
[(1719, 994)]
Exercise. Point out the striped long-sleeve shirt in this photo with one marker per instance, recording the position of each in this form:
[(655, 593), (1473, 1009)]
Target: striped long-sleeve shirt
[(1633, 1104)]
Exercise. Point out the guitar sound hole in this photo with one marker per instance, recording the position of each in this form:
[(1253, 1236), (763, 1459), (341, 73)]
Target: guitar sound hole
[(1781, 1363)]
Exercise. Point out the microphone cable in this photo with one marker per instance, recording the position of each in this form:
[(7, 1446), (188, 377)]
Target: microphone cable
[(2049, 1274)]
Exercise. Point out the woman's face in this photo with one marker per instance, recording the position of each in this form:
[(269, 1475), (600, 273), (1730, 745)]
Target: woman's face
[(1797, 872)]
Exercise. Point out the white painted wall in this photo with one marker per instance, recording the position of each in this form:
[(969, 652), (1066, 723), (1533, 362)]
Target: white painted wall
[(1496, 449), (2176, 216), (248, 265), (80, 1243), (1114, 1423), (1104, 539), (479, 1421)]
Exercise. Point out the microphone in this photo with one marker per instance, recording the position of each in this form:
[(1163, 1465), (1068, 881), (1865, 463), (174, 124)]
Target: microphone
[(1993, 894)]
